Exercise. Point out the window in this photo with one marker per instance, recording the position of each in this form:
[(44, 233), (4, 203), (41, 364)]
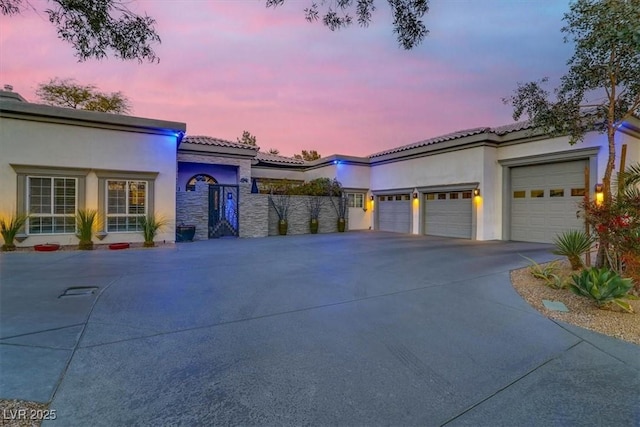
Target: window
[(442, 196), (51, 203), (431, 196), (356, 200), (519, 194), (398, 197), (466, 194), (537, 193), (556, 193), (207, 179), (126, 205), (453, 196), (577, 192)]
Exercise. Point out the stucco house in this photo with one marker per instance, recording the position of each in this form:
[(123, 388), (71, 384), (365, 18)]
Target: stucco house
[(505, 183), (55, 161)]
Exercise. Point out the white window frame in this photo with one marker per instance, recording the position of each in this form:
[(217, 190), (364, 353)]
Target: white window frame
[(355, 200), (52, 205), (129, 216)]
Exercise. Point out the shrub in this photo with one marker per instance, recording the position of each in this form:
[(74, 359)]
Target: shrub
[(603, 286), (85, 220), (9, 228), (150, 227), (573, 244), (545, 272)]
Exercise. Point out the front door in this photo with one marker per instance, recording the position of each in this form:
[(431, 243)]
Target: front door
[(223, 210)]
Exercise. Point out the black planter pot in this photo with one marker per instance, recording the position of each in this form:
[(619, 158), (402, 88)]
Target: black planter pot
[(185, 233), (313, 226)]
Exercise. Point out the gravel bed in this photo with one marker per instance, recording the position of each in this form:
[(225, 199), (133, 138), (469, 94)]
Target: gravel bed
[(19, 413), (582, 311)]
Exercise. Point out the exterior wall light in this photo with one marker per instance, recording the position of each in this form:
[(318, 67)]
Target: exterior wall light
[(415, 194), (371, 198), (599, 194), (476, 192)]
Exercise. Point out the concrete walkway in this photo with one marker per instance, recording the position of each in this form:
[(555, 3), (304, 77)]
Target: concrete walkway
[(341, 329)]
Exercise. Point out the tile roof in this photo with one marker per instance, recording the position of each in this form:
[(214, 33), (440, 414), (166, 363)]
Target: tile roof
[(437, 139), (208, 140), (513, 127), (273, 158)]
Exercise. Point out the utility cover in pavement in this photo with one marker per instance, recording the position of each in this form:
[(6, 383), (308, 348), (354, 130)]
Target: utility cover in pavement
[(554, 305), (79, 291)]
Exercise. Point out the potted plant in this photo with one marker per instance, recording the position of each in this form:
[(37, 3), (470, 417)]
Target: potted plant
[(85, 221), (341, 205), (9, 228), (150, 227), (316, 190), (185, 233), (281, 203)]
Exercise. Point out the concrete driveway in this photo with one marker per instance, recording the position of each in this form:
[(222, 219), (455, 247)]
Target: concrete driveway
[(341, 329)]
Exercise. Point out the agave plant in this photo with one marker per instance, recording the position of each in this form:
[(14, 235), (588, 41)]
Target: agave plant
[(9, 228), (573, 244), (85, 222), (604, 286), (150, 227)]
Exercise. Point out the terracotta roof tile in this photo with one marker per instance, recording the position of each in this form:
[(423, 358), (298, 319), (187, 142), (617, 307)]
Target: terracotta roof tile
[(208, 140), (437, 139), (274, 158)]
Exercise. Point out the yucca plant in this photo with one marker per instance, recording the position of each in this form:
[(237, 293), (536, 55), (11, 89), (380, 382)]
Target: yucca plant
[(150, 227), (85, 222), (9, 228), (573, 244), (603, 286)]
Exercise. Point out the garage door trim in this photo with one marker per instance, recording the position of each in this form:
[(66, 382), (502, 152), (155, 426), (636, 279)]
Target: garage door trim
[(589, 154)]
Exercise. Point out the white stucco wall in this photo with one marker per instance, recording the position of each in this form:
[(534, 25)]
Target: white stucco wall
[(462, 166), (35, 143)]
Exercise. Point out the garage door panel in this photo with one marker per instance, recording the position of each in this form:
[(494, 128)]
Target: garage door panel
[(540, 219), (449, 217), (394, 215)]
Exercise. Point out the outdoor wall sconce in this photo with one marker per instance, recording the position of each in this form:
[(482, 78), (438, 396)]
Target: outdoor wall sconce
[(415, 194), (229, 196), (476, 192), (599, 194), (371, 198)]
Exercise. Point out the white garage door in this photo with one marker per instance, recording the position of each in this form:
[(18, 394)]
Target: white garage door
[(448, 214), (545, 199), (394, 213)]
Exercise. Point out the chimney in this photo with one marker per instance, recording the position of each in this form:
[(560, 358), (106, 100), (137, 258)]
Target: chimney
[(8, 88)]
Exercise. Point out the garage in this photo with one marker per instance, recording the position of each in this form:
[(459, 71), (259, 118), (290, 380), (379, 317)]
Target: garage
[(545, 200), (394, 213), (448, 214)]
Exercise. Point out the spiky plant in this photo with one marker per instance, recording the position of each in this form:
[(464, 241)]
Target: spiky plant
[(573, 244), (9, 228), (85, 222), (150, 227)]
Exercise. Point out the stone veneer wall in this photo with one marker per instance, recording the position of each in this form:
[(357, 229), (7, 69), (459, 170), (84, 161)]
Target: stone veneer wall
[(257, 217), (192, 208), (299, 217), (254, 213)]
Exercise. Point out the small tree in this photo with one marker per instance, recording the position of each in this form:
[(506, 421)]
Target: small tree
[(274, 151), (307, 155), (69, 94), (602, 87), (247, 139)]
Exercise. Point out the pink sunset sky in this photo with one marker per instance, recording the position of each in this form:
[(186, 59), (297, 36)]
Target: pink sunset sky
[(233, 65)]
